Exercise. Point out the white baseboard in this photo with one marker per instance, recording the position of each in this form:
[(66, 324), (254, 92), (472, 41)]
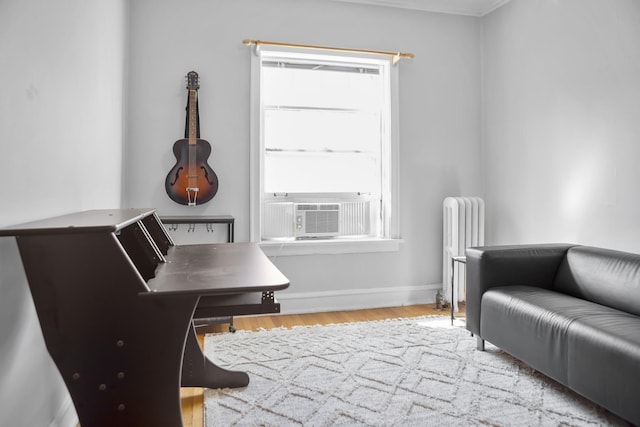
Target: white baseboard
[(66, 416), (356, 299)]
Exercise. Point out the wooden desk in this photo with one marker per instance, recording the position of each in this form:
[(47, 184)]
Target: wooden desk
[(115, 300), (172, 223)]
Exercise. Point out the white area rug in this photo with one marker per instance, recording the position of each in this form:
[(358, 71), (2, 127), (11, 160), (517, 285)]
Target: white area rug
[(400, 372)]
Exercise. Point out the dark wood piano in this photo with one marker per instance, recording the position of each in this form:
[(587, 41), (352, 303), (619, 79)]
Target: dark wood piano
[(116, 299)]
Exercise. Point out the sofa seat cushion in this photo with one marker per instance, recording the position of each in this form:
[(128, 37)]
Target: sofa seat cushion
[(533, 324), (604, 359)]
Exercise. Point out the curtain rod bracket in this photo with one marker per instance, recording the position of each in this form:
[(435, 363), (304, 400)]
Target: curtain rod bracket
[(255, 45)]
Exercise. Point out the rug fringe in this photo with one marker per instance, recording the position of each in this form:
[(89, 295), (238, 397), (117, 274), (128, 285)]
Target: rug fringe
[(390, 319)]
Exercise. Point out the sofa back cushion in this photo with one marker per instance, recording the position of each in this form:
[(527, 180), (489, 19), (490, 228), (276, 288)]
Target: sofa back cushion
[(603, 276)]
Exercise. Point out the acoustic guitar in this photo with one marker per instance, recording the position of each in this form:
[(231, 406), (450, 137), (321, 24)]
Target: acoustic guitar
[(192, 181)]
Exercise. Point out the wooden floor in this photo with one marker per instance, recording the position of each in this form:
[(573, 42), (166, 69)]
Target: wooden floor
[(191, 397)]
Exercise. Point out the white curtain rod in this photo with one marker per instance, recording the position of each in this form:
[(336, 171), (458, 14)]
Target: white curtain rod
[(396, 55)]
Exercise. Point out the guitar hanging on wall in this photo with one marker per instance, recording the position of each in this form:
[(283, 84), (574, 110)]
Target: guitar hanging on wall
[(191, 181)]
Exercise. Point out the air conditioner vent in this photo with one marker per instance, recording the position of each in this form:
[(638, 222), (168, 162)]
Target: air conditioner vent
[(313, 220)]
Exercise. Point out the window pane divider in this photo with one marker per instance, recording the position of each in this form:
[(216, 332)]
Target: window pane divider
[(300, 107), (321, 151)]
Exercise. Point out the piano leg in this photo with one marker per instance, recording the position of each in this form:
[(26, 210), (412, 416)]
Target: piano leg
[(199, 371)]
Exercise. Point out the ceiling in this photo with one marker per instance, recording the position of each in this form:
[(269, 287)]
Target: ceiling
[(457, 7)]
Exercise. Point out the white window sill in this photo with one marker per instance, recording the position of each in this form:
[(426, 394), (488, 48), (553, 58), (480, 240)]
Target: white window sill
[(292, 247)]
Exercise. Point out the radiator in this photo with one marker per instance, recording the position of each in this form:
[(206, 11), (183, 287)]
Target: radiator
[(463, 226)]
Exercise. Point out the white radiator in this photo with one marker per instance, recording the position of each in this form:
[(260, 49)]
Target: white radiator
[(463, 226)]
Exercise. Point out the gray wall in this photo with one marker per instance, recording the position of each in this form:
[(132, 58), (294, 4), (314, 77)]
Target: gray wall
[(61, 133), (439, 125), (562, 129)]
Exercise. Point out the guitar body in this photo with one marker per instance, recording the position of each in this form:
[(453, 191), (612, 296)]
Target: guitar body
[(191, 181), (180, 182)]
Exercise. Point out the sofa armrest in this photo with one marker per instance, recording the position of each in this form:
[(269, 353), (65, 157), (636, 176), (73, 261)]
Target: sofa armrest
[(492, 266)]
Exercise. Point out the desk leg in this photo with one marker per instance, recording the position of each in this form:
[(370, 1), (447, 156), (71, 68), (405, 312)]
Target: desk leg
[(126, 372), (198, 371)]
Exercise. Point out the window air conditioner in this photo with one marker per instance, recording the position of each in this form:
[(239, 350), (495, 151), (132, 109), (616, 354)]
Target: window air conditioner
[(317, 220)]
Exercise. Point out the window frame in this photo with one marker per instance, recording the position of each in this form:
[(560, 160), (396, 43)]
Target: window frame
[(390, 206)]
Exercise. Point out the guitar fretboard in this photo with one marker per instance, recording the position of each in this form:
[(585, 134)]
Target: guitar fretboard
[(193, 116)]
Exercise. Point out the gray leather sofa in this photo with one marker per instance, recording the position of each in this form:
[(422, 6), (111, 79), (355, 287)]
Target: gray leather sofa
[(570, 312)]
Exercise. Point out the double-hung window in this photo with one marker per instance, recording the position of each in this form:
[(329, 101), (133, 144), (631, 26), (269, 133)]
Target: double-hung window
[(324, 147)]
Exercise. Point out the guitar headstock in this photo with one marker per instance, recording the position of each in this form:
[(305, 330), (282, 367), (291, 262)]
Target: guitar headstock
[(193, 81)]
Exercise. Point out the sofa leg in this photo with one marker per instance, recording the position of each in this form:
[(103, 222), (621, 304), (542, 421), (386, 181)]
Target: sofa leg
[(479, 343)]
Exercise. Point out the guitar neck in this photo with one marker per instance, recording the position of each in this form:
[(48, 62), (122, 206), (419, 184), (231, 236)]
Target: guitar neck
[(193, 117)]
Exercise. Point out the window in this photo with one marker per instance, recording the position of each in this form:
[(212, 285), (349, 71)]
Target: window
[(323, 147)]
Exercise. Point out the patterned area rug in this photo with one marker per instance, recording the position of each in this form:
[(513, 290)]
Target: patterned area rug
[(400, 372)]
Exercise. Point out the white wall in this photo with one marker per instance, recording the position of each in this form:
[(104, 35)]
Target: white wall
[(562, 109), (439, 124), (61, 133)]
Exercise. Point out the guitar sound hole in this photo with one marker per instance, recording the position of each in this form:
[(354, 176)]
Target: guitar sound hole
[(206, 175), (177, 173)]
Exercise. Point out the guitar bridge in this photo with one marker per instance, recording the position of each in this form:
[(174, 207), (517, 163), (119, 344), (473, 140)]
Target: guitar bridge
[(192, 199)]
